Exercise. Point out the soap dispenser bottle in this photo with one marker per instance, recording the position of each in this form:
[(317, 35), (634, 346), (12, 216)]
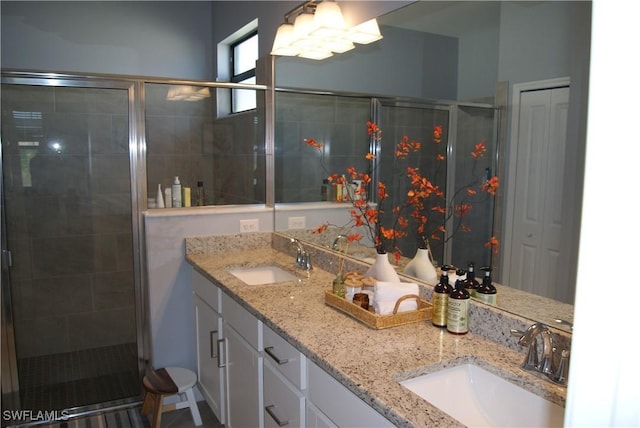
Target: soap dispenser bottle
[(176, 193), (458, 309), (471, 283), (486, 292), (440, 298)]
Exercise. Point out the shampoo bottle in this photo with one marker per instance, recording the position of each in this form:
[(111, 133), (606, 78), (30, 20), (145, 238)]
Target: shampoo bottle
[(486, 292), (458, 309), (176, 193), (471, 283), (440, 298)]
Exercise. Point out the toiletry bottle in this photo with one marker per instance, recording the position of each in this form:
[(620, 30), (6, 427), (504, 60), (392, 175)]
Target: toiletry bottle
[(458, 309), (200, 194), (176, 193), (186, 196), (471, 283), (159, 197), (339, 187), (324, 190), (486, 292), (440, 298)]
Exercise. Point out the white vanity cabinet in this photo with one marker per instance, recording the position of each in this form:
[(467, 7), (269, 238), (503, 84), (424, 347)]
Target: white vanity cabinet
[(332, 404), (211, 374), (229, 361), (243, 337)]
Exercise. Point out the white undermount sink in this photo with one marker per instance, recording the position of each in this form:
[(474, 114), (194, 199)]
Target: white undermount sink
[(261, 275), (479, 398)]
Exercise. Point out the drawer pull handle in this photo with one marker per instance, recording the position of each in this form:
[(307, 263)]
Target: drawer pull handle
[(219, 343), (271, 409), (211, 340), (277, 359)]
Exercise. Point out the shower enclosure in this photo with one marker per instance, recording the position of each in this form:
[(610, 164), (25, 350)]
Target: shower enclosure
[(69, 232)]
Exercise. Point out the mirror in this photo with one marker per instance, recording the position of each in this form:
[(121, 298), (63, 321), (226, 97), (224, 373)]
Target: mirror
[(496, 45)]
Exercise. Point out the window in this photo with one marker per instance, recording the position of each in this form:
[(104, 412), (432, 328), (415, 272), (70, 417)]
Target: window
[(244, 54)]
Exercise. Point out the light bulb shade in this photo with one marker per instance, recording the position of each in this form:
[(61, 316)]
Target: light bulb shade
[(365, 33), (328, 20), (316, 53), (338, 45), (303, 25), (282, 45)]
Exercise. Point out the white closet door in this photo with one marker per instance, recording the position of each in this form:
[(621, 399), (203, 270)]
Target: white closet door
[(538, 216)]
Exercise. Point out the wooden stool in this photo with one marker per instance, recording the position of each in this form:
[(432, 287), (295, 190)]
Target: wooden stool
[(167, 382)]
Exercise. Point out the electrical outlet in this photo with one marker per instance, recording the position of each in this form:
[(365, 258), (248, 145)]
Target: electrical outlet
[(249, 225), (297, 222)]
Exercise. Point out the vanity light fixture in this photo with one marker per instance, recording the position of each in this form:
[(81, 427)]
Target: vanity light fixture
[(319, 30)]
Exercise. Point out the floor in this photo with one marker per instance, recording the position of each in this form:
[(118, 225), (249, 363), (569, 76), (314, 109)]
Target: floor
[(79, 378), (182, 418)]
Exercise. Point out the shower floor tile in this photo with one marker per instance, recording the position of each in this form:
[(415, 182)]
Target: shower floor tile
[(79, 378)]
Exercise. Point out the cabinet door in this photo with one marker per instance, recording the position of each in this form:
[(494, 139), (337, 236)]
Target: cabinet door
[(244, 380), (210, 375)]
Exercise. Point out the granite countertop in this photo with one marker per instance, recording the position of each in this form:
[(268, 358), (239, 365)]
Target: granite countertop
[(368, 362)]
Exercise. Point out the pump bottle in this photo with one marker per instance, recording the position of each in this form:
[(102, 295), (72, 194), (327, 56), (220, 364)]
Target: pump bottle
[(471, 283), (486, 292), (458, 309), (440, 298), (176, 193)]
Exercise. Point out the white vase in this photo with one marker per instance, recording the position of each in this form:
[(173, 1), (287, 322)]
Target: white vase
[(421, 267), (382, 270)]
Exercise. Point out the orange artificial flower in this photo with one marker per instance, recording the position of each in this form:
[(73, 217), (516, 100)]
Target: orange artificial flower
[(493, 243)]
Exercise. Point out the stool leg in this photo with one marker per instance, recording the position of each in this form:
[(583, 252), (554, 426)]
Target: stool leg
[(193, 406), (157, 411), (147, 404)]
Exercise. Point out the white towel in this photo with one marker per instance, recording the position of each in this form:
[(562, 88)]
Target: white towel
[(394, 290), (386, 294), (386, 307)]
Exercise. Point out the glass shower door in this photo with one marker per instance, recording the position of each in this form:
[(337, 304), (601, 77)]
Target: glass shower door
[(68, 205)]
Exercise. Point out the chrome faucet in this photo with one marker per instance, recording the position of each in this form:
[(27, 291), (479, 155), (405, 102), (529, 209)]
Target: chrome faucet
[(303, 258), (336, 242), (545, 364)]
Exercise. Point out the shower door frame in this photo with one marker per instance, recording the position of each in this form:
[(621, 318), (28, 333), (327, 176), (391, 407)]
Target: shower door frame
[(138, 177)]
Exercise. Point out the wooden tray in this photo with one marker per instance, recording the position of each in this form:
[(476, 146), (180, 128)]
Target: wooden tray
[(376, 321)]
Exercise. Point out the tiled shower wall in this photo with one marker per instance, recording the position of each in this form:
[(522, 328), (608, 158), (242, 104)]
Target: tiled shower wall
[(187, 139), (68, 207)]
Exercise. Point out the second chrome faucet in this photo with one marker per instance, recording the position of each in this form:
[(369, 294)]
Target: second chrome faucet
[(542, 362)]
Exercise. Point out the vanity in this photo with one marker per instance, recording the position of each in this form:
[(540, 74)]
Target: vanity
[(275, 354)]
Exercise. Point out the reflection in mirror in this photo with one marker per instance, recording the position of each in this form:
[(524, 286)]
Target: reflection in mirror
[(456, 226), (466, 51)]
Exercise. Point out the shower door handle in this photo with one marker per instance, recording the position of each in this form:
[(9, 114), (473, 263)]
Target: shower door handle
[(7, 260)]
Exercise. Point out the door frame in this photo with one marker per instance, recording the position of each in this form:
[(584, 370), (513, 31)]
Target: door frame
[(507, 242), (138, 171)]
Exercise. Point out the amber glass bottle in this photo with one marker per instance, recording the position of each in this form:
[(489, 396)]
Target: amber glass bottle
[(458, 309), (487, 292), (440, 298), (471, 283)]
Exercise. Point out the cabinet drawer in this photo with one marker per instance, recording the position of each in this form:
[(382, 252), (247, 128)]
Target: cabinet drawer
[(248, 326), (207, 290), (342, 406), (283, 402), (285, 358)]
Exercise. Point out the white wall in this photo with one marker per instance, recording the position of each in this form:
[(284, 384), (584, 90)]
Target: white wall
[(170, 302), (603, 377)]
